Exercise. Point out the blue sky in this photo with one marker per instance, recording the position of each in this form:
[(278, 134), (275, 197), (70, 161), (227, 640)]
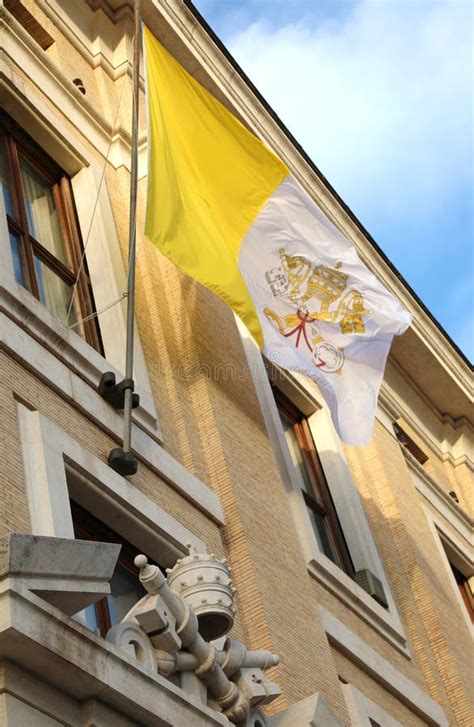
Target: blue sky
[(379, 94)]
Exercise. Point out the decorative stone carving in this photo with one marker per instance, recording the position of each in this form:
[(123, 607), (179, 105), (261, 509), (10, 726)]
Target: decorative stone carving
[(170, 629), (204, 582), (157, 622), (68, 574), (130, 637), (254, 684)]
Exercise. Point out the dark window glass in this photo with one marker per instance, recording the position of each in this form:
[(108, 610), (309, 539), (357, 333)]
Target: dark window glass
[(44, 236), (5, 183), (464, 590), (55, 293), (41, 211), (312, 482), (16, 257), (125, 586)]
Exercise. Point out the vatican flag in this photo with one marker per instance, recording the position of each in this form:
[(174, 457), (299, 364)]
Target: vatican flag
[(230, 214)]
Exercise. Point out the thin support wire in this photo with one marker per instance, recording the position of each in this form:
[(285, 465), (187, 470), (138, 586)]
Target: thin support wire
[(96, 202), (101, 310)]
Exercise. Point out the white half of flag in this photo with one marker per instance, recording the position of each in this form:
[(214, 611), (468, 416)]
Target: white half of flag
[(323, 313)]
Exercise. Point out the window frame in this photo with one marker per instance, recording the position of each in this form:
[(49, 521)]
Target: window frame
[(344, 492), (17, 146), (89, 527), (464, 588), (321, 503), (363, 711)]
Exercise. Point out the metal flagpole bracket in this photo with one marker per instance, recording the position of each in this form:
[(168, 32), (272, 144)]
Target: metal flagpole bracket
[(113, 393), (124, 463)]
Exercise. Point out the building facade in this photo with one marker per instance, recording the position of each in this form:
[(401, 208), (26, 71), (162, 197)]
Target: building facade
[(354, 565)]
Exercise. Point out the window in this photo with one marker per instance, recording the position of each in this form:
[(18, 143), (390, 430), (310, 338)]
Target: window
[(125, 586), (465, 590), (362, 711), (407, 442), (45, 243), (460, 565), (312, 482)]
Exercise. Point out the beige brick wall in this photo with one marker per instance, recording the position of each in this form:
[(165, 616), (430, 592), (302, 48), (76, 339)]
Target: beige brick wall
[(14, 515), (428, 606), (212, 424), (18, 383), (463, 484)]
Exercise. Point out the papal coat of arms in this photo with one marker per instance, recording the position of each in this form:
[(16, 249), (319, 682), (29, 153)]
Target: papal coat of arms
[(321, 294)]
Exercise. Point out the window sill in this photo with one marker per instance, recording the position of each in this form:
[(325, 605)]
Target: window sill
[(355, 598)]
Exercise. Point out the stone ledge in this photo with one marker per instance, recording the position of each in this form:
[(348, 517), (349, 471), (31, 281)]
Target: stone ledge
[(71, 350), (358, 600), (382, 671), (313, 711), (58, 650), (69, 574)]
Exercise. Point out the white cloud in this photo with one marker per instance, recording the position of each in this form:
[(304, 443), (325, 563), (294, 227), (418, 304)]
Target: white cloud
[(379, 100)]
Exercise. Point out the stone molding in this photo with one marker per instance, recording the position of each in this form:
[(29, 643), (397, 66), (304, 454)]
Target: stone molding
[(348, 505), (36, 357), (358, 601), (68, 574), (48, 452), (313, 711), (33, 634), (362, 710), (382, 671), (24, 316), (438, 498), (21, 53), (460, 555), (115, 63), (393, 407)]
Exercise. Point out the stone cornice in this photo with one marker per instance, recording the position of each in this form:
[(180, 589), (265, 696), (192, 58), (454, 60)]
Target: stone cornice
[(20, 52), (114, 66), (396, 408), (382, 671), (440, 499)]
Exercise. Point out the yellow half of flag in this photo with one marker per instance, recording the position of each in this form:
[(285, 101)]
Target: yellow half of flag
[(208, 178), (226, 211)]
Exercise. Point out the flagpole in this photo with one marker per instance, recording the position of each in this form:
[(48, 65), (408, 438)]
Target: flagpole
[(123, 460)]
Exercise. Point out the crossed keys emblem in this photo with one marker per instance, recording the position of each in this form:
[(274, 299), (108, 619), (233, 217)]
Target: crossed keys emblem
[(297, 281)]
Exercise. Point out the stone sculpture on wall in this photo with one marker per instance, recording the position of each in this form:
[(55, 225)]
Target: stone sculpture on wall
[(172, 630)]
